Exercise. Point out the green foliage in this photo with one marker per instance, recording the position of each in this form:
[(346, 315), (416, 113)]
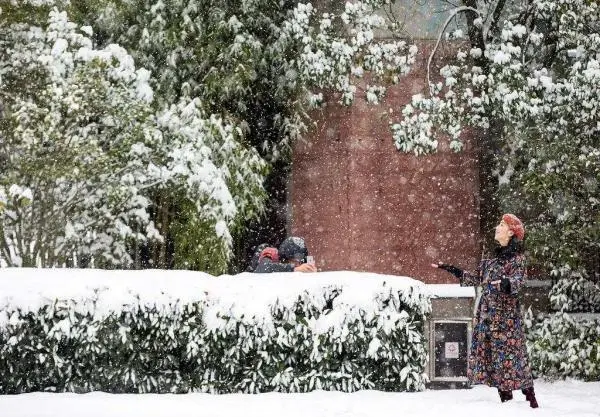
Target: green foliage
[(255, 61), (555, 184), (68, 346), (71, 115), (563, 346), (196, 247), (574, 293), (551, 161), (86, 140), (65, 350)]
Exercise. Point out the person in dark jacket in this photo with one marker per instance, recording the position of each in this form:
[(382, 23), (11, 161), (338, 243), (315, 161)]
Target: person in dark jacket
[(292, 254), (498, 356), (256, 257)]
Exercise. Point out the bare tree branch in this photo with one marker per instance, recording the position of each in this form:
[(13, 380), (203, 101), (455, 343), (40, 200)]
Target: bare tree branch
[(453, 14), (491, 26)]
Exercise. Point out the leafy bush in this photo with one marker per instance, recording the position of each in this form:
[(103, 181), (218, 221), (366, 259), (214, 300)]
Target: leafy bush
[(575, 294), (319, 340), (563, 346)]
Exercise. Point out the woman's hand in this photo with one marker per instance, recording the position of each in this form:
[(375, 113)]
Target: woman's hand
[(457, 272), (501, 285), (305, 268)]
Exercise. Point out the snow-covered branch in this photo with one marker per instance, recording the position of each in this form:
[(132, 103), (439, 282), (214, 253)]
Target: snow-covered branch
[(85, 138), (452, 16)]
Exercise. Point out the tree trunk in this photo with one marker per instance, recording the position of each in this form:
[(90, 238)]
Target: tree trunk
[(489, 204), (489, 141), (164, 231)]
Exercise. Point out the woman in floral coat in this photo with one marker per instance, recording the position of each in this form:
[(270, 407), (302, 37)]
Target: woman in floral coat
[(498, 355)]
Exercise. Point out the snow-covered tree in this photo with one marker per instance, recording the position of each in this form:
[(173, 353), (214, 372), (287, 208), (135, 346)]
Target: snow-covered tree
[(172, 150), (71, 115), (528, 78), (233, 53), (83, 150), (260, 63)]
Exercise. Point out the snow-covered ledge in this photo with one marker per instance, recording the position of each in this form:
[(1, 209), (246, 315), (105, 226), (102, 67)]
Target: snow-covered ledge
[(29, 288), (244, 294), (450, 291)]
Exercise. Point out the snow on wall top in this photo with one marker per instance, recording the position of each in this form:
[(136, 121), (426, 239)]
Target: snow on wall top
[(244, 295)]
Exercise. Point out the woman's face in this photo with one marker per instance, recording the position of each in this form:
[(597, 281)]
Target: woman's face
[(503, 234)]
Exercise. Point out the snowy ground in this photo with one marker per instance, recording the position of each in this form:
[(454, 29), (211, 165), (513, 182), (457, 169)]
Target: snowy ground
[(571, 398)]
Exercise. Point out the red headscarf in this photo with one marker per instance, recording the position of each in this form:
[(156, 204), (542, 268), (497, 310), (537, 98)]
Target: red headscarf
[(515, 225), (270, 253)]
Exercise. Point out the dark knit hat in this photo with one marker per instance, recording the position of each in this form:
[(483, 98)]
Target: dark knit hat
[(293, 248)]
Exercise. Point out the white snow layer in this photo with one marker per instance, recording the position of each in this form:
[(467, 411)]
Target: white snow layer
[(564, 398), (244, 295), (252, 294)]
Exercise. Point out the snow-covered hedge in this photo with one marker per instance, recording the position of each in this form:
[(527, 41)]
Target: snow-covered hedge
[(574, 293), (564, 345), (176, 331)]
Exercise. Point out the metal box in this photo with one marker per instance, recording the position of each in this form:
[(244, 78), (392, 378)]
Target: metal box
[(449, 346)]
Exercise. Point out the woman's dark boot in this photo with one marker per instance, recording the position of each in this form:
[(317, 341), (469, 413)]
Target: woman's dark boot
[(530, 396), (505, 395)]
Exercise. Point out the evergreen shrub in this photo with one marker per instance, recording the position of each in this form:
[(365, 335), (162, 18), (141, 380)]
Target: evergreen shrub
[(318, 340), (564, 345)]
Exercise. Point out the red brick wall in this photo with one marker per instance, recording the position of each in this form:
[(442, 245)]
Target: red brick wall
[(362, 205)]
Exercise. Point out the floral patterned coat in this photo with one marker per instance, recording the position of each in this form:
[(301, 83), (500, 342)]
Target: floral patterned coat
[(498, 356)]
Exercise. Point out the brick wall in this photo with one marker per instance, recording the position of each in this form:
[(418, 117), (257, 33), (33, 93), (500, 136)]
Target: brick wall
[(362, 205)]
